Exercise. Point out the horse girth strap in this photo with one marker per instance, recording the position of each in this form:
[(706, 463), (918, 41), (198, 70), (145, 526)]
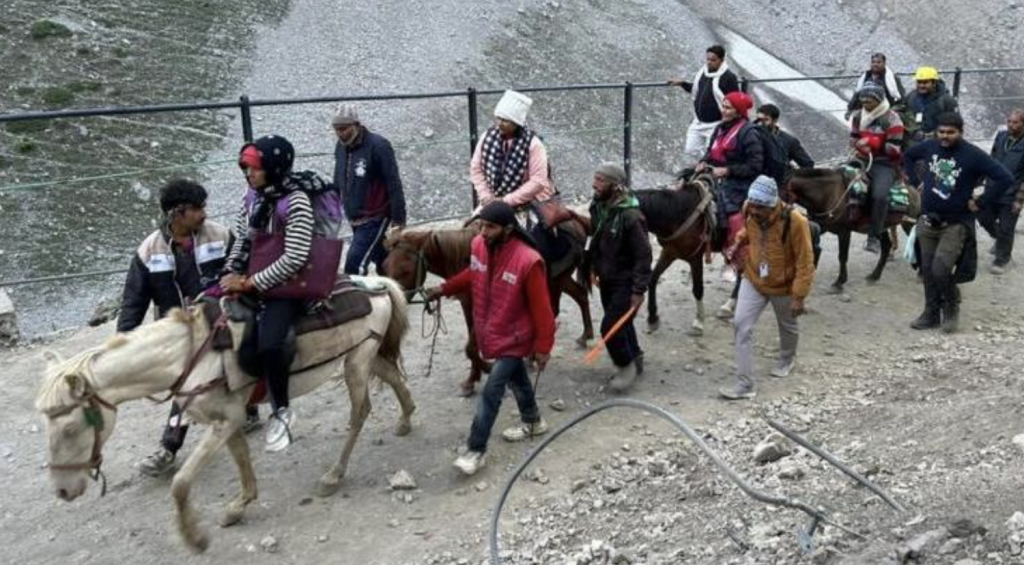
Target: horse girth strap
[(691, 220), (193, 360)]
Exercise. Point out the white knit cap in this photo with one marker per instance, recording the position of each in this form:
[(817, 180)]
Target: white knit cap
[(513, 107)]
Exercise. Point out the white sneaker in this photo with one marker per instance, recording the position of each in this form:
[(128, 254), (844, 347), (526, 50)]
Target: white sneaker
[(470, 462), (279, 434), (523, 430), (727, 274), (727, 310), (782, 369)]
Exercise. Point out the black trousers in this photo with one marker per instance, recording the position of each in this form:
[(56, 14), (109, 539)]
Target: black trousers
[(623, 347), (1000, 222), (272, 326)]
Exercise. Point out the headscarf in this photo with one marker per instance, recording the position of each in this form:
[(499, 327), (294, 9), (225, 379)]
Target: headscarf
[(741, 102)]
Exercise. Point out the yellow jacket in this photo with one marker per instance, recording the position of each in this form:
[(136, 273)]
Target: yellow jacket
[(790, 263)]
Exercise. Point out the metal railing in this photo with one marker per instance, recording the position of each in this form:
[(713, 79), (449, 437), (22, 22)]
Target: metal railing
[(245, 105)]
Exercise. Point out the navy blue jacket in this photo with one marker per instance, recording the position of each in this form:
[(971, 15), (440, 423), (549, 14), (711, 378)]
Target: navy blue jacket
[(1009, 152), (367, 177), (950, 177)]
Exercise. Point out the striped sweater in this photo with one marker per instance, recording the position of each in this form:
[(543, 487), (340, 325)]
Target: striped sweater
[(297, 223)]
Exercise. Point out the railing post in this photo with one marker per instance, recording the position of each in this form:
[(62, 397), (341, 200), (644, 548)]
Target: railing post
[(627, 130), (474, 131), (956, 82), (246, 109), (745, 85)]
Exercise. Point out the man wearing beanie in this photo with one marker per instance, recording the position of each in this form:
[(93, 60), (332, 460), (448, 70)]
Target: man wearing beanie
[(778, 270), (620, 256), (510, 163), (366, 174), (512, 321), (712, 83), (876, 136)]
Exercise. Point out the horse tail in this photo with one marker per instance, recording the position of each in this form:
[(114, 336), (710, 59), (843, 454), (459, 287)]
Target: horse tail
[(398, 325)]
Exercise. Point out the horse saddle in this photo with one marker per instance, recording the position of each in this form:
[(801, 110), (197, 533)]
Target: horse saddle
[(553, 212), (350, 300)]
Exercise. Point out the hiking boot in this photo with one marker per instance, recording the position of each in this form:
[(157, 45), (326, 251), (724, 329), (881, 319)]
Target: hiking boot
[(872, 245), (252, 421), (639, 362), (992, 250), (926, 321), (470, 462), (279, 433), (158, 464), (740, 391), (783, 369), (624, 378), (523, 430), (727, 310), (997, 269)]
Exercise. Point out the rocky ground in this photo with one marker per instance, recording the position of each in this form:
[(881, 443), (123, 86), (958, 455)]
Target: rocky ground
[(930, 418)]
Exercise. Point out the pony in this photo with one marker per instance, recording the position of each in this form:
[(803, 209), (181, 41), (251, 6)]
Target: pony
[(412, 254), (825, 195), (677, 217), (79, 397)]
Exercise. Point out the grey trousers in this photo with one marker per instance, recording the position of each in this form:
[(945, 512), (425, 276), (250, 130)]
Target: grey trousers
[(749, 306)]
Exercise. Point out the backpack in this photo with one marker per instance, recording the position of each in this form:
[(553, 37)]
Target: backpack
[(776, 165)]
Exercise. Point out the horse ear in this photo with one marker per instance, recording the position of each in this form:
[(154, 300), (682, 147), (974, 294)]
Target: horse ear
[(76, 384), (52, 358)]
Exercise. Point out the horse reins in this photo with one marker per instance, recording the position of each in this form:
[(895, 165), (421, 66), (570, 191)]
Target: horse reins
[(849, 186), (91, 404), (193, 360)]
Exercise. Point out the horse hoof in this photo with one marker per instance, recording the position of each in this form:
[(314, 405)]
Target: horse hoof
[(871, 279), (581, 342), (403, 429), (230, 518), (327, 488), (695, 332), (466, 389), (653, 326), (199, 544), (835, 289)]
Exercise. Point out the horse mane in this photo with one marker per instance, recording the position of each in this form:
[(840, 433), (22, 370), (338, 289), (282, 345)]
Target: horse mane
[(665, 209), (55, 393), (448, 250)]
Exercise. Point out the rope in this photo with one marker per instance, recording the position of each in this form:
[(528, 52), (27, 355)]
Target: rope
[(439, 326)]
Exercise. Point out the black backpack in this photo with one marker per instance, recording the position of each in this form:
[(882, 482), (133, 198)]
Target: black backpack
[(776, 165)]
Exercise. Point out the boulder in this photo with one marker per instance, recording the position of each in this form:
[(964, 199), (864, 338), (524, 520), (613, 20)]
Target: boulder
[(772, 448)]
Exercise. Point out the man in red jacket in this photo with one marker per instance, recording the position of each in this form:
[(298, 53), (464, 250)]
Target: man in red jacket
[(512, 319)]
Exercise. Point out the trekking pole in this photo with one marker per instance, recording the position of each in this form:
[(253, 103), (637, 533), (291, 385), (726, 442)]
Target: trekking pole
[(596, 351)]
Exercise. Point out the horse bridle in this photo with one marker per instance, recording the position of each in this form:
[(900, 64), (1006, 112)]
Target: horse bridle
[(92, 405), (420, 273)]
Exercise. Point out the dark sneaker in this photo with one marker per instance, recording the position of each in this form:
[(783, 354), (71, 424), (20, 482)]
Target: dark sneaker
[(872, 245), (950, 319), (926, 321), (252, 422), (158, 464)]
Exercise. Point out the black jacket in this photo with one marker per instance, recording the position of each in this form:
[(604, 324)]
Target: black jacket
[(705, 105), (745, 162), (620, 250), (793, 150), (925, 110), (164, 273), (367, 176), (1010, 153)]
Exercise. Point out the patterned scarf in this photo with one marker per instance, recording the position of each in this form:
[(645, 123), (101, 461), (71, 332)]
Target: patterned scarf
[(504, 171)]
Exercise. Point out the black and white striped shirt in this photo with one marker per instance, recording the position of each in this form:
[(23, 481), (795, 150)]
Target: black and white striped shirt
[(298, 238)]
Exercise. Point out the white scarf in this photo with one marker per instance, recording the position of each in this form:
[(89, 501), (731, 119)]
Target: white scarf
[(866, 118), (715, 77), (890, 83)]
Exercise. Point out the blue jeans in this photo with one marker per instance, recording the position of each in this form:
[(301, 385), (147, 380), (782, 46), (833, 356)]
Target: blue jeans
[(367, 247), (511, 372)]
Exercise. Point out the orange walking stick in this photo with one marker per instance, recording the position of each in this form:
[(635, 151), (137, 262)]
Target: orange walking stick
[(596, 351)]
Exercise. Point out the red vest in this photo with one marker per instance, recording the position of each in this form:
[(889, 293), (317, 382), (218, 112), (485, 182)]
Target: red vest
[(501, 316)]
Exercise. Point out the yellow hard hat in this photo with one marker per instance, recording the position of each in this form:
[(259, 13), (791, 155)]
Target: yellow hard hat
[(926, 73)]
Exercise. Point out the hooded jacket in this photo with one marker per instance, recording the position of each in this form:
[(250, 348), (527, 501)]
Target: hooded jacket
[(620, 249)]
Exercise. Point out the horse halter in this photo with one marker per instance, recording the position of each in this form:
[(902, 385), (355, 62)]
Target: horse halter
[(92, 408), (420, 272)]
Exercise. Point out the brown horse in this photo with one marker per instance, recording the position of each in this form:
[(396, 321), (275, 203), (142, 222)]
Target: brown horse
[(825, 195), (414, 253), (677, 218)]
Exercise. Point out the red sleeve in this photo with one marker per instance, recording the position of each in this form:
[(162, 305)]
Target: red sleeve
[(539, 299), (459, 284)]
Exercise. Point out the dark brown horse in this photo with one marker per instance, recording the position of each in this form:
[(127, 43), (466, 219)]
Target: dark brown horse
[(677, 218), (414, 253), (825, 195)]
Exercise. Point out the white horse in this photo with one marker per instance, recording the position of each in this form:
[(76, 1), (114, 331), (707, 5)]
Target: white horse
[(79, 397)]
